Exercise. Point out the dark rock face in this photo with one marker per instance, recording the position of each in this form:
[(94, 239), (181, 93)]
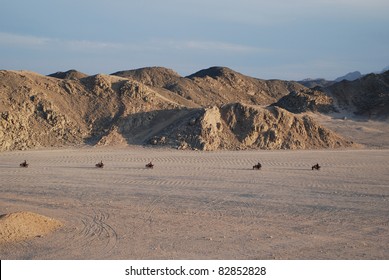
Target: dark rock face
[(309, 100), (367, 96)]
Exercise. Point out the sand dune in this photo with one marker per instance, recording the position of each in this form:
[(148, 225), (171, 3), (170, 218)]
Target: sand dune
[(200, 205)]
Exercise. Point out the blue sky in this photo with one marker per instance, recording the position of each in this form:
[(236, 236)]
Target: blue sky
[(282, 39)]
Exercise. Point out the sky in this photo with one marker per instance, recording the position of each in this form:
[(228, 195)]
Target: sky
[(276, 39)]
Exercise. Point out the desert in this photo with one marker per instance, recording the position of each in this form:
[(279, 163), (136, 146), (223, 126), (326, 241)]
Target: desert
[(202, 199), (199, 205)]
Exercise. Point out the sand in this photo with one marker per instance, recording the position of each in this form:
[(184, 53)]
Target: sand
[(20, 226), (199, 205)]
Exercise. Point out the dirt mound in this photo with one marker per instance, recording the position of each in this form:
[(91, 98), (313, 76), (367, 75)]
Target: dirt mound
[(238, 126), (20, 226)]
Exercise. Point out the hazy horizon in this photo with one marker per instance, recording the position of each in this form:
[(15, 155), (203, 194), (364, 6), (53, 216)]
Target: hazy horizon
[(281, 39)]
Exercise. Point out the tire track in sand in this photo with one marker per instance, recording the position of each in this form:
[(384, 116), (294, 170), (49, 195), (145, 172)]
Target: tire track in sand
[(90, 232)]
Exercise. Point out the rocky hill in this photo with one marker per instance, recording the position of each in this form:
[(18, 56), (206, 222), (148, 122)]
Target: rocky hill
[(214, 86), (238, 126), (307, 100), (215, 108), (367, 96), (40, 111)]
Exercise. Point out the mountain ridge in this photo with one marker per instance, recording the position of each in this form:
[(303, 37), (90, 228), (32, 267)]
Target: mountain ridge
[(157, 106)]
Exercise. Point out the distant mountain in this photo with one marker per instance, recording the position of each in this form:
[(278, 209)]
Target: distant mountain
[(312, 83), (384, 70), (352, 76)]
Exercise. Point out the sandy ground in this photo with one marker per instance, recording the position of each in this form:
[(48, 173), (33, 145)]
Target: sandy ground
[(370, 133), (200, 205)]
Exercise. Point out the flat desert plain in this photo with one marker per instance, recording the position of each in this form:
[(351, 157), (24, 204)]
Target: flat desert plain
[(197, 205)]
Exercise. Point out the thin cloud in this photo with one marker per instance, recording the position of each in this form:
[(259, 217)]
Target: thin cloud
[(22, 40), (43, 43), (211, 46), (85, 45)]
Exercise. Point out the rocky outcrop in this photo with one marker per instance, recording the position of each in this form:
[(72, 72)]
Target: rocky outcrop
[(238, 126), (276, 128), (306, 100), (40, 111), (367, 96), (38, 125)]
